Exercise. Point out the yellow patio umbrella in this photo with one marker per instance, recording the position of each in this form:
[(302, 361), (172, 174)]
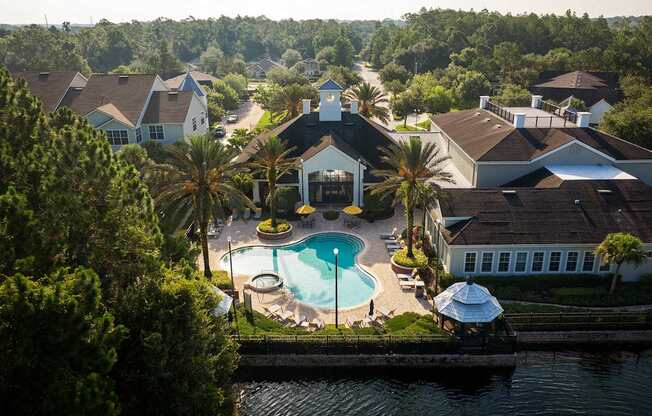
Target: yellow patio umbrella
[(352, 210), (305, 210)]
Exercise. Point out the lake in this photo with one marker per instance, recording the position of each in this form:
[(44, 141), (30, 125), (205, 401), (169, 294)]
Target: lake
[(543, 383)]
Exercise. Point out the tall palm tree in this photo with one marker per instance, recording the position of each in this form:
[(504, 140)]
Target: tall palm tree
[(290, 101), (271, 159), (373, 102), (427, 195), (411, 165), (194, 184), (620, 248)]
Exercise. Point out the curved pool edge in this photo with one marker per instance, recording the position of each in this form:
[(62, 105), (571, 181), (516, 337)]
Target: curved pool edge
[(365, 247)]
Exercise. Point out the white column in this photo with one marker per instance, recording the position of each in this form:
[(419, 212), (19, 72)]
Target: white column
[(583, 119), (256, 191), (304, 184), (356, 188)]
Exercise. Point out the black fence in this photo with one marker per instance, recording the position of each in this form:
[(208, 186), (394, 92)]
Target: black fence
[(569, 321), (568, 116), (375, 344), (499, 111)]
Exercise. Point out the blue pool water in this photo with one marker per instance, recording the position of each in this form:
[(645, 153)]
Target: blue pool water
[(308, 269)]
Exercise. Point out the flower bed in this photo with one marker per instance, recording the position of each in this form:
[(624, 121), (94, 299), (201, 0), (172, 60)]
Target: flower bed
[(282, 230)]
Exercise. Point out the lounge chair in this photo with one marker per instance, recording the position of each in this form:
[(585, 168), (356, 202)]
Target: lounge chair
[(389, 243), (407, 284), (317, 323), (391, 236), (299, 321), (386, 313), (285, 316), (258, 213), (272, 310), (351, 323)]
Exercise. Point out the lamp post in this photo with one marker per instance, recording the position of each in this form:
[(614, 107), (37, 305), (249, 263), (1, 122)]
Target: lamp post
[(235, 314), (336, 252)]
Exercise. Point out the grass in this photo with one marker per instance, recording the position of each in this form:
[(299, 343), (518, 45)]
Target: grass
[(577, 290), (267, 122), (266, 226), (425, 124), (409, 323), (408, 127), (419, 260)]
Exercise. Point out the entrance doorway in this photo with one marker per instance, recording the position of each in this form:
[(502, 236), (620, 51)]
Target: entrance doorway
[(330, 187)]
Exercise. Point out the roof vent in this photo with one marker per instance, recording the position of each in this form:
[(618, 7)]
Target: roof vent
[(78, 88), (497, 126), (578, 202), (173, 92), (477, 113), (44, 74), (123, 76), (486, 120), (604, 191), (509, 191)]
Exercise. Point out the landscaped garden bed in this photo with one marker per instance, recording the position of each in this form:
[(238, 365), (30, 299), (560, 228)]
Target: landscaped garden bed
[(331, 215), (282, 230), (578, 290), (401, 263)]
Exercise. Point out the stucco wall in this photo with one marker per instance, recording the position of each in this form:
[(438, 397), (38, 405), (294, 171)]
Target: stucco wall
[(598, 110), (455, 261)]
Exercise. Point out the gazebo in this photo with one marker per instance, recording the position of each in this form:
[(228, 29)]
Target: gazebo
[(467, 308)]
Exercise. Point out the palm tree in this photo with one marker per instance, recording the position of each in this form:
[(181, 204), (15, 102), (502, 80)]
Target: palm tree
[(373, 102), (290, 101), (194, 184), (620, 248), (427, 195), (411, 165), (271, 159)]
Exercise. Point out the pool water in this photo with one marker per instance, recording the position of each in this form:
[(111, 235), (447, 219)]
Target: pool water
[(308, 269)]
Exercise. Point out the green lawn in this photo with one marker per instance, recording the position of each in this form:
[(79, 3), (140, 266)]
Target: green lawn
[(267, 122), (408, 127), (405, 324)]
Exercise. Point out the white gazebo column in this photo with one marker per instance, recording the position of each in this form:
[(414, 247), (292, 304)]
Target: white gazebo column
[(358, 184), (256, 191), (305, 194)]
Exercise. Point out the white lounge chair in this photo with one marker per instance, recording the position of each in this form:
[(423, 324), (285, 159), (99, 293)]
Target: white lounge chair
[(317, 323), (258, 213), (272, 310), (299, 321), (285, 316), (391, 236), (407, 284), (387, 313), (351, 323)]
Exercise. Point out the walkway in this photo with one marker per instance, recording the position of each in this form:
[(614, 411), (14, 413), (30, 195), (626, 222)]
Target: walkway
[(374, 259)]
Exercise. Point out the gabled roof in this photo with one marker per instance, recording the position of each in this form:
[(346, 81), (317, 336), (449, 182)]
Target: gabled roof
[(486, 137), (354, 135), (552, 176), (201, 77), (112, 111), (127, 93), (574, 80), (51, 87), (574, 212), (266, 64), (168, 107), (330, 85)]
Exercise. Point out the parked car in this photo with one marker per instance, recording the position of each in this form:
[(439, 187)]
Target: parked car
[(219, 131), (231, 118)]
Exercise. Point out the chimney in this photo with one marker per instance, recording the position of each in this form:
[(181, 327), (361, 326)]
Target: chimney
[(484, 99), (536, 101), (519, 120), (583, 119), (306, 105), (354, 107)]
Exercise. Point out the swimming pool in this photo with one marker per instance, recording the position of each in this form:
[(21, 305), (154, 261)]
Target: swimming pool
[(308, 268)]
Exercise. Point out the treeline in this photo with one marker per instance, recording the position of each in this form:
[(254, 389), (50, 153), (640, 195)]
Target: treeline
[(161, 45)]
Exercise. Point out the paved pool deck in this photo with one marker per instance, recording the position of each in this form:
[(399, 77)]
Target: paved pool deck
[(374, 259)]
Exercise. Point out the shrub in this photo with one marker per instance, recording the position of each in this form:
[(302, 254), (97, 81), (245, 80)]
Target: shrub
[(331, 215), (419, 260), (266, 226), (221, 279), (377, 208), (287, 197)]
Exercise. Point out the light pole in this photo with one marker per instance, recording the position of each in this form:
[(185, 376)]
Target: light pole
[(235, 313), (336, 252)]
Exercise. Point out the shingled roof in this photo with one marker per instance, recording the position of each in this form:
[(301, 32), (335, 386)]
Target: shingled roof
[(168, 107), (575, 212), (486, 137), (200, 77), (128, 93), (355, 135), (574, 80), (51, 87)]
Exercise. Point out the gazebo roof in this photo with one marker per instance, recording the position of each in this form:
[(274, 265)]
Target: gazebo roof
[(468, 302)]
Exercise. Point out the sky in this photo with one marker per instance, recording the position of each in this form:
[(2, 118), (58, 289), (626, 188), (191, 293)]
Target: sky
[(81, 11)]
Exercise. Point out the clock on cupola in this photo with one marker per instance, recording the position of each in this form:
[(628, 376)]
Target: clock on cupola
[(330, 106)]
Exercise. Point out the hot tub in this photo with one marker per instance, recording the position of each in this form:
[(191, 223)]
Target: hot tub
[(265, 282)]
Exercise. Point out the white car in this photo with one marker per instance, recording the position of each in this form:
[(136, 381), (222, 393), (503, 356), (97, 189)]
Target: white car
[(231, 118)]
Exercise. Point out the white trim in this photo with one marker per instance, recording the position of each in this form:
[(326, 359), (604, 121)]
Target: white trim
[(543, 262), (475, 261), (110, 120), (527, 257), (493, 258), (561, 258), (509, 264), (577, 261), (56, 107), (584, 259)]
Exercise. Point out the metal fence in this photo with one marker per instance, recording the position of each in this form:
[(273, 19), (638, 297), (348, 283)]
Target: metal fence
[(568, 116), (579, 321), (499, 111)]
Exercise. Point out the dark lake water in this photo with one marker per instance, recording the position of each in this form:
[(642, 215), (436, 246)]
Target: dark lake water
[(543, 383)]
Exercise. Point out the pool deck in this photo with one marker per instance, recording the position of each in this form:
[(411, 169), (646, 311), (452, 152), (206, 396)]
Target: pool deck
[(374, 259)]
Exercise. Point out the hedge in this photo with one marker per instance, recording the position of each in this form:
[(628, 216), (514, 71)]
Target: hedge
[(266, 226), (419, 260)]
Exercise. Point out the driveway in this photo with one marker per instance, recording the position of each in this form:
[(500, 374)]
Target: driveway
[(371, 76), (248, 115)]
